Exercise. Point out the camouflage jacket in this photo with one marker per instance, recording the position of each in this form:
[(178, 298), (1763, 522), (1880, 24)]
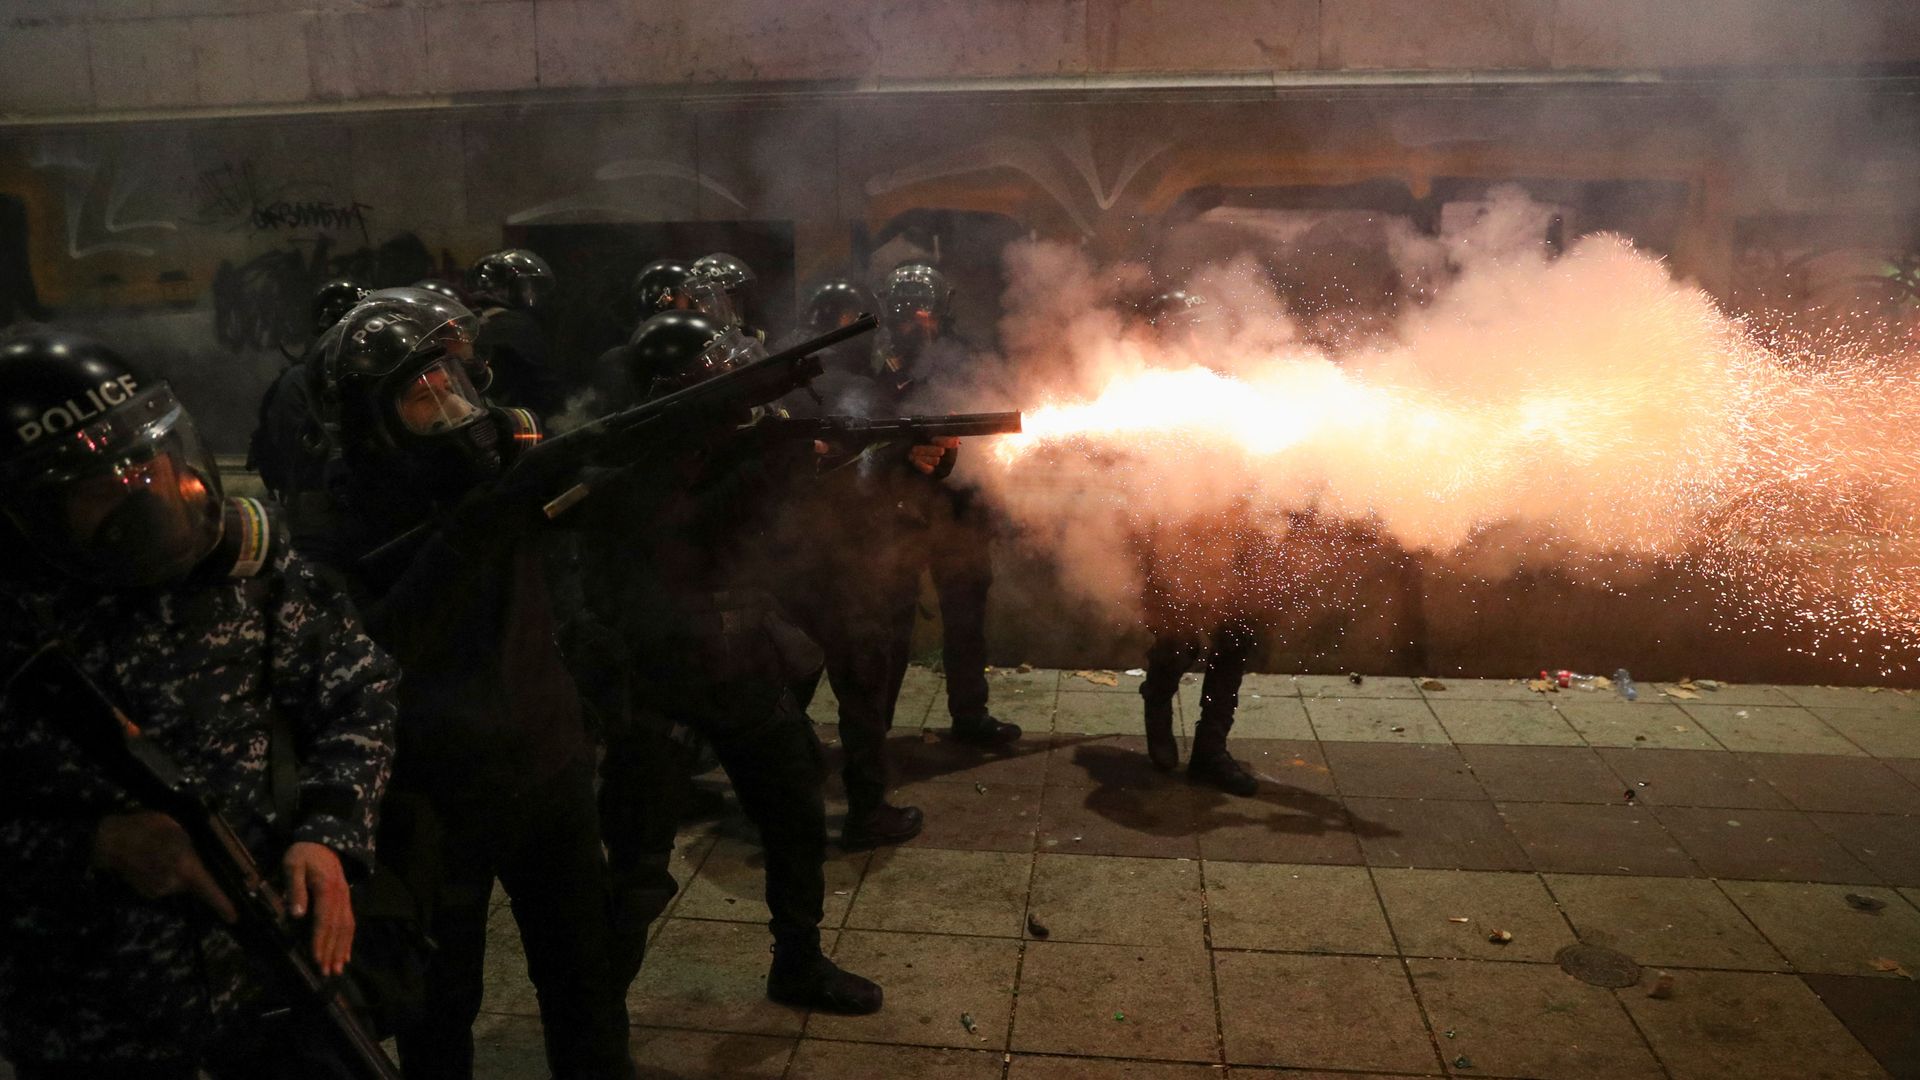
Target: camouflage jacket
[(88, 970)]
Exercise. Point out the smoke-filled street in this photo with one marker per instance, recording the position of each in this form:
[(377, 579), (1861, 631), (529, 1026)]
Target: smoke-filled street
[(967, 539)]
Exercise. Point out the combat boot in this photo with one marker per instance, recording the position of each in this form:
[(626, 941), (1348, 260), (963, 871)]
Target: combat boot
[(806, 979), (1213, 766), (985, 731), (1162, 750), (884, 824)]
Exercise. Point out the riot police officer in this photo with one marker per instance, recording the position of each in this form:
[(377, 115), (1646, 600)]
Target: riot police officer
[(683, 581), (942, 528), (736, 279), (193, 612), (674, 285), (288, 448), (438, 539), (511, 291)]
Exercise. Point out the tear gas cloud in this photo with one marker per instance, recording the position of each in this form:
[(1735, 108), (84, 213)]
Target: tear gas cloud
[(1586, 411)]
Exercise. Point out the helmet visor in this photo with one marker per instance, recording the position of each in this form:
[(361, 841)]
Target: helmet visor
[(704, 295), (132, 500), (440, 397)]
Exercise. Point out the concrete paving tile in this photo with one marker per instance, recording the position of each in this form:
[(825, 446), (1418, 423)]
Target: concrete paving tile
[(1882, 734), (824, 708), (713, 976), (1269, 686), (1298, 764), (1765, 845), (1278, 824), (1735, 694), (913, 759), (1035, 1067), (664, 1053), (1582, 839), (1435, 833), (504, 1048), (1878, 699), (1040, 681), (1543, 774), (1760, 729), (1109, 900), (1636, 723), (1821, 933), (1270, 716), (1081, 712), (1907, 767), (1889, 845), (1332, 687), (1691, 778), (1747, 1025), (1085, 761), (930, 981), (944, 892), (1884, 1014), (504, 986), (1295, 908), (1501, 721), (1481, 690), (923, 696), (1842, 784), (1530, 1020), (1331, 1012), (1663, 921), (731, 884), (1422, 904), (818, 1059), (1032, 710), (1400, 771), (1154, 822), (1001, 818), (1374, 720), (1116, 1000)]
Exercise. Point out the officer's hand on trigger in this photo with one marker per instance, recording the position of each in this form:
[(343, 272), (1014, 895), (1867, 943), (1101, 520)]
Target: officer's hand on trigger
[(927, 457), (316, 879), (151, 853)]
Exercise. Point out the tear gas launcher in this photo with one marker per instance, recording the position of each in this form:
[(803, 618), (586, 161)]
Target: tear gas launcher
[(630, 438), (55, 682)]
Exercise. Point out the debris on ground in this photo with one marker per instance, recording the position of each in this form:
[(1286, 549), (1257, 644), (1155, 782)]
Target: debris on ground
[(1881, 963), (1396, 727), (1682, 693), (1355, 678), (1449, 1033), (966, 1021), (1098, 678), (1598, 966), (1662, 987), (1542, 686), (1629, 794), (1709, 685), (927, 735), (1864, 903), (1432, 684), (1024, 669), (1623, 684), (1458, 919), (979, 788), (1463, 1062), (1501, 937), (1119, 1017), (1137, 673), (1037, 930)]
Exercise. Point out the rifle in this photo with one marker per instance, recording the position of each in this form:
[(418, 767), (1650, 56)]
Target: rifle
[(131, 760), (628, 434)]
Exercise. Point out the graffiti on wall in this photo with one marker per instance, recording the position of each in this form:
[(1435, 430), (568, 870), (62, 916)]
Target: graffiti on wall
[(263, 302), (234, 192)]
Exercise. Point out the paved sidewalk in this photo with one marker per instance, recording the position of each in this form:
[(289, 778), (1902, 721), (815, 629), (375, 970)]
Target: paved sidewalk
[(1757, 844)]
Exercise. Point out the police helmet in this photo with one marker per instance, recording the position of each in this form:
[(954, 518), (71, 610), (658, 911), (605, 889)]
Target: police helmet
[(101, 469), (334, 299), (515, 278), (677, 349)]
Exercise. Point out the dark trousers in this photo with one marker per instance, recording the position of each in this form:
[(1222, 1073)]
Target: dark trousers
[(1227, 653), (544, 847), (769, 750)]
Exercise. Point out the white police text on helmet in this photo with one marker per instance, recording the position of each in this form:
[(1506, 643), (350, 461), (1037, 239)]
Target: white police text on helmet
[(72, 413)]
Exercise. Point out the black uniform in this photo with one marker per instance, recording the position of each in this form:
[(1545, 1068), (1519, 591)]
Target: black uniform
[(514, 346), (445, 558)]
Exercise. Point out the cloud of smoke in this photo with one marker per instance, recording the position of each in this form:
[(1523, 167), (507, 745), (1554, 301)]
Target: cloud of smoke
[(1580, 407)]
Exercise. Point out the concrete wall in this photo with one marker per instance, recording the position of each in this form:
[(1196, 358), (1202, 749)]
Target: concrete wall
[(73, 57)]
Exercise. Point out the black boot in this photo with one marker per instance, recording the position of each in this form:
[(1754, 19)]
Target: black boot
[(986, 731), (882, 825), (1212, 765), (806, 979), (1161, 749)]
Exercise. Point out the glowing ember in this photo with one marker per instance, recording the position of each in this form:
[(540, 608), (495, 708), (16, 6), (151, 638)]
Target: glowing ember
[(1584, 408)]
